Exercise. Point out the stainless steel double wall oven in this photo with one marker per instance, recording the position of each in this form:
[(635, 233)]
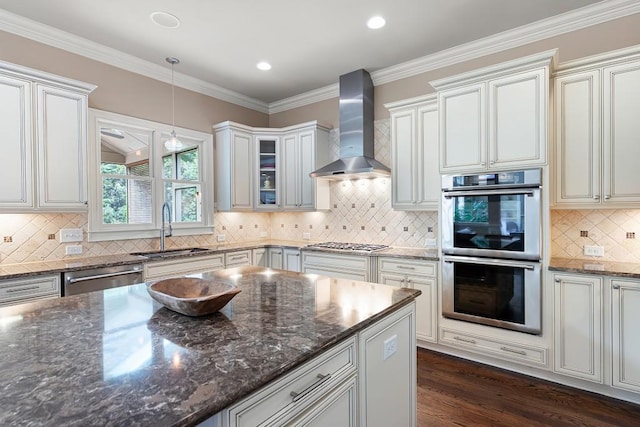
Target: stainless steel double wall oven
[(491, 239)]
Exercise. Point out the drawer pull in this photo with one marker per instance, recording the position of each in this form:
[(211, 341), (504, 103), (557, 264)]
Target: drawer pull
[(511, 350), (233, 258), (467, 340), (404, 267), (30, 288), (321, 380)]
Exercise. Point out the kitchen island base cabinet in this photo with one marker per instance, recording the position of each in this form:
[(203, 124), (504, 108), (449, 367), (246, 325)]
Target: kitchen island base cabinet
[(368, 379)]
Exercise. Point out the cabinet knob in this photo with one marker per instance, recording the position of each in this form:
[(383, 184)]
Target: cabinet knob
[(596, 197), (607, 197), (558, 280), (615, 286), (492, 162)]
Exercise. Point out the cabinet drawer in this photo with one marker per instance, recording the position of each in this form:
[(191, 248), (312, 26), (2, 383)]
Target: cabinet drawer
[(293, 393), (350, 262), (235, 259), (515, 352), (395, 265), (12, 291), (181, 267)]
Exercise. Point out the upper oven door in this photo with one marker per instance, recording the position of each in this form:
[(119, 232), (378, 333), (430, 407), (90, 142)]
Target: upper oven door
[(497, 223)]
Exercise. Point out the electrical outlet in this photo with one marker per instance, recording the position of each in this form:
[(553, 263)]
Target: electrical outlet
[(68, 235), (390, 347), (306, 236), (73, 249), (221, 238), (430, 243), (593, 250)]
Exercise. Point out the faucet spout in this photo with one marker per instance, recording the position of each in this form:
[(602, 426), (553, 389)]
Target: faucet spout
[(165, 231)]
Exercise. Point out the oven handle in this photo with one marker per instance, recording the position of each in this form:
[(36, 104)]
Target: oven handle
[(492, 261), (102, 276), (505, 192)]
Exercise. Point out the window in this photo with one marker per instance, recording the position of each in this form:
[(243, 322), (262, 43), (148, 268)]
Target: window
[(134, 174)]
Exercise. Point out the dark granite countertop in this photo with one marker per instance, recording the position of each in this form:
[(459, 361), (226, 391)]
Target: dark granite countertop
[(417, 253), (601, 268), (14, 271), (116, 357)]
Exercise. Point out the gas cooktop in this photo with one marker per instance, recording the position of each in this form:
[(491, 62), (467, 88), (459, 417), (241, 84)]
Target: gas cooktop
[(342, 246)]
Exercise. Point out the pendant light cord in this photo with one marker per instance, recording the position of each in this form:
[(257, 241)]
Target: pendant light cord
[(173, 61)]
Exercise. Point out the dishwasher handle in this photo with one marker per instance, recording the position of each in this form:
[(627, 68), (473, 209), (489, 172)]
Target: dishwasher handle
[(71, 280)]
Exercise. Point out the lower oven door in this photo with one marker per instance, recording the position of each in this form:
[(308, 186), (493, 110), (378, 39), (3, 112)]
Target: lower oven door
[(495, 292)]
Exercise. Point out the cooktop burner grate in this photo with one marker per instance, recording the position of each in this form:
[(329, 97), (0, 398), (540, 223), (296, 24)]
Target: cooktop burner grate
[(343, 246)]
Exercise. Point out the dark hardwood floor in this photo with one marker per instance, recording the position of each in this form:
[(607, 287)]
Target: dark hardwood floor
[(457, 392)]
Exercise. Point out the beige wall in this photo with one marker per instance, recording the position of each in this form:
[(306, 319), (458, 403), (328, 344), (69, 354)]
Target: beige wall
[(597, 39), (125, 92)]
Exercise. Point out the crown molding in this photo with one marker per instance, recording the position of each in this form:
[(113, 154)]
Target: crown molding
[(311, 97), (587, 16), (45, 34)]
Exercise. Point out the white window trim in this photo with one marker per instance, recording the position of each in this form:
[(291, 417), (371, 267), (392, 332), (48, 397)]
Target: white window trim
[(97, 231)]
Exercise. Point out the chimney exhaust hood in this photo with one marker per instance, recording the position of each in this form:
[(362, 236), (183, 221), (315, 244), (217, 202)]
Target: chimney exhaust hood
[(356, 132)]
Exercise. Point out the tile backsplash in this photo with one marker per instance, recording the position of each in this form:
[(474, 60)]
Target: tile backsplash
[(614, 229)]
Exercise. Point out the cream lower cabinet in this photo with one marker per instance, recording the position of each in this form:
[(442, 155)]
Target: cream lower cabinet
[(17, 291), (596, 132), (238, 258), (343, 266), (259, 257), (183, 266), (583, 347), (421, 275), (496, 117), (291, 259), (44, 141), (415, 179), (625, 305), (578, 331)]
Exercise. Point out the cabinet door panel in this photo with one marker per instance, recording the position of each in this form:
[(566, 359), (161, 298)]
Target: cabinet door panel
[(306, 184), (577, 168), (462, 128), (290, 171), (621, 128), (241, 186), (275, 258), (291, 259), (392, 279), (578, 327), (426, 308), (62, 143), (16, 147), (429, 189), (626, 339), (518, 122), (404, 159)]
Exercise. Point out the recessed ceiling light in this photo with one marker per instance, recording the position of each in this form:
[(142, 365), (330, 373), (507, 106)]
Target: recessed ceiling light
[(165, 19), (264, 66), (376, 22)]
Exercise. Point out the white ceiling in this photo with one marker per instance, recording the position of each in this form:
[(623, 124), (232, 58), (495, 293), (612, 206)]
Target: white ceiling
[(309, 43)]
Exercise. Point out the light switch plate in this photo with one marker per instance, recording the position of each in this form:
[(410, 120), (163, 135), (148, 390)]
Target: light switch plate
[(594, 250), (70, 235), (221, 238), (432, 243), (306, 236)]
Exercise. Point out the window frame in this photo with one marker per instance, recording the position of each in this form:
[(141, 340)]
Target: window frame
[(158, 132)]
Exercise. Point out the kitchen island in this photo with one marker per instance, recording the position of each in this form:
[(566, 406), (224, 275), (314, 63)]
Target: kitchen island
[(116, 357)]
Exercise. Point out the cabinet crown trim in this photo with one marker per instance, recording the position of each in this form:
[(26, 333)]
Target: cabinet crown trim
[(266, 130), (627, 54), (543, 59), (38, 76), (410, 102)]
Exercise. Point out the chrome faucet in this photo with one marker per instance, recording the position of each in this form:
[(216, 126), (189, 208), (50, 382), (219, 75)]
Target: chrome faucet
[(165, 232)]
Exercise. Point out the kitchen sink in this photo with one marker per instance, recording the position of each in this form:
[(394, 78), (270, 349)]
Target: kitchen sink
[(170, 252)]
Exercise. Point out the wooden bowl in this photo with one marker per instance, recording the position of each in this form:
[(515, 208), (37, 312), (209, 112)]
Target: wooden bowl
[(192, 296)]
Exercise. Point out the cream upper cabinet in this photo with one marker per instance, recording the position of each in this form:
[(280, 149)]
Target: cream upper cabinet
[(62, 148), (43, 125), (597, 129), (495, 118), (267, 169), (415, 178), (625, 303), (234, 167), (16, 149)]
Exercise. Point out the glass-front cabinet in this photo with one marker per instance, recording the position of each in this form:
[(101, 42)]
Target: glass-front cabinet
[(268, 177)]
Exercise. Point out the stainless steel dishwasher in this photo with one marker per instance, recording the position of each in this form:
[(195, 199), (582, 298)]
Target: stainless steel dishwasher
[(97, 279)]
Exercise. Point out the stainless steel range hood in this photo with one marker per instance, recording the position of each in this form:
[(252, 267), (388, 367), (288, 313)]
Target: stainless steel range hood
[(356, 132)]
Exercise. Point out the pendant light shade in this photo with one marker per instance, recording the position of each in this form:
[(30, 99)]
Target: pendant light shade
[(173, 143)]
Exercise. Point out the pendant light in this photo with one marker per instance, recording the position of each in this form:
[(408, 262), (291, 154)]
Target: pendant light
[(173, 143)]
